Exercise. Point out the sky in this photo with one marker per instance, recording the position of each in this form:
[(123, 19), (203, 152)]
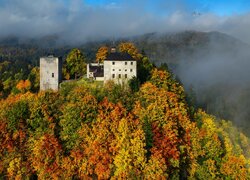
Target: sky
[(79, 21), (84, 20), (220, 7)]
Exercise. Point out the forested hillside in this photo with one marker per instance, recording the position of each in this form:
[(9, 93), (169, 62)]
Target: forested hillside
[(146, 129), (212, 66), (88, 131)]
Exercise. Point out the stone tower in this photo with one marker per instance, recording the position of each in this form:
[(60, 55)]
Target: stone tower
[(50, 72)]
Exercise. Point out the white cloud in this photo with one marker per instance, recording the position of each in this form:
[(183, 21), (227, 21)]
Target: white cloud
[(78, 22)]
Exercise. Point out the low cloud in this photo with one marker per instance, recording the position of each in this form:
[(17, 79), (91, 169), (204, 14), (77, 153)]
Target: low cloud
[(76, 21), (221, 76)]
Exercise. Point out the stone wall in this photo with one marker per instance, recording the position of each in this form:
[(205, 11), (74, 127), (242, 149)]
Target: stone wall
[(119, 71), (50, 72)]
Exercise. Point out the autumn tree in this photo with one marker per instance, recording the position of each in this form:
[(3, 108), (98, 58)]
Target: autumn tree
[(234, 167), (100, 145), (90, 131), (114, 143), (101, 54), (128, 47), (81, 108), (75, 63), (34, 78), (23, 86), (164, 79), (44, 113), (134, 84), (217, 152), (130, 159), (45, 157), (14, 151), (209, 155), (167, 129), (235, 163), (119, 93)]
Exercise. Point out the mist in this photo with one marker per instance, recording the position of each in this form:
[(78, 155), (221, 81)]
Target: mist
[(219, 74), (76, 21)]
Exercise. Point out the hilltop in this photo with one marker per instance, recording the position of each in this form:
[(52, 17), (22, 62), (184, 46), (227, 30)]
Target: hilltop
[(89, 130), (213, 66)]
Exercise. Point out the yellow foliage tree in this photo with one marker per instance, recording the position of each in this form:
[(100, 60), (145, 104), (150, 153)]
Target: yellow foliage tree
[(130, 158), (128, 47), (46, 157), (101, 54), (234, 167)]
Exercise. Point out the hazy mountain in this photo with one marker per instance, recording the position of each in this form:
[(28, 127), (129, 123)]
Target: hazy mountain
[(187, 45), (214, 65)]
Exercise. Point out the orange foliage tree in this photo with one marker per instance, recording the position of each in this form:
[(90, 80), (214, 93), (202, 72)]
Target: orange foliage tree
[(128, 47), (14, 151), (168, 134), (23, 86), (234, 167), (85, 131), (46, 157), (99, 147), (101, 54)]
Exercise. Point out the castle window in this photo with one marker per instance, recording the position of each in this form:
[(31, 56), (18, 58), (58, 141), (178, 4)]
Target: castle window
[(113, 76), (131, 63), (53, 75), (113, 63), (120, 75), (131, 70), (119, 69), (126, 70), (113, 69), (126, 63), (126, 76)]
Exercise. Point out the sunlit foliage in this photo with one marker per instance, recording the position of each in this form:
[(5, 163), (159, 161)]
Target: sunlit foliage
[(75, 65), (88, 130), (130, 48), (101, 54)]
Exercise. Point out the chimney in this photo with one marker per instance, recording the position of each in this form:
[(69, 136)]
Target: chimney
[(113, 50)]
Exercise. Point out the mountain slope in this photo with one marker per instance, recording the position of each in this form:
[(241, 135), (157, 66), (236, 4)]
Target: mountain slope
[(90, 131), (212, 64)]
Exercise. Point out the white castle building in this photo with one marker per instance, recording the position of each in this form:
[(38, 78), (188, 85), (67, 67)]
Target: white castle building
[(119, 67), (50, 72)]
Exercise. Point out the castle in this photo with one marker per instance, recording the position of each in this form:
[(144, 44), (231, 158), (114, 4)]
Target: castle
[(50, 72), (119, 67)]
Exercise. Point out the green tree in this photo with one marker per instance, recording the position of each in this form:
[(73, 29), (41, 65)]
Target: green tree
[(34, 78), (75, 63), (134, 84), (144, 69), (81, 108)]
